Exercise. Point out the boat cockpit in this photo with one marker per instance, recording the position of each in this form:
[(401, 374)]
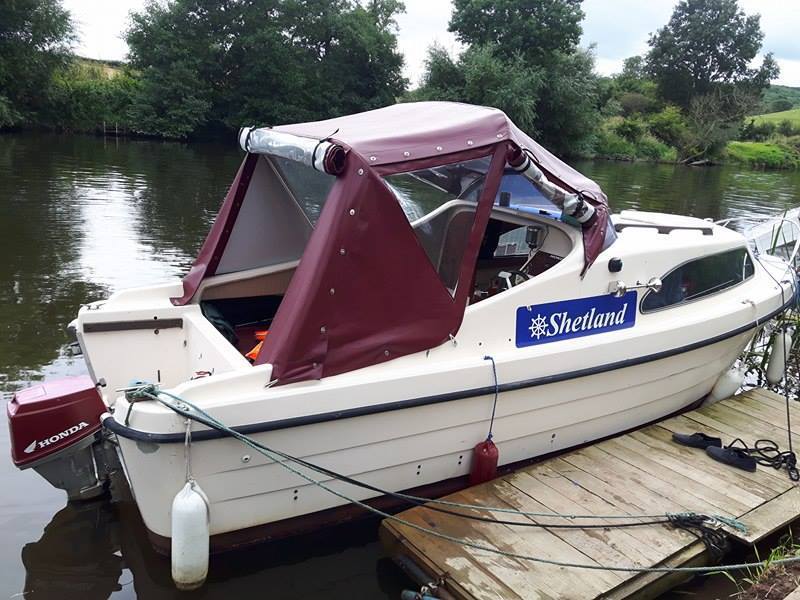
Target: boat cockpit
[(522, 239)]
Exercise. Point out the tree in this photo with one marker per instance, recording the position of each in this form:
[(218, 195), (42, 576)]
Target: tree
[(479, 76), (533, 30), (715, 118), (35, 39), (708, 43), (780, 105), (523, 58), (210, 64)]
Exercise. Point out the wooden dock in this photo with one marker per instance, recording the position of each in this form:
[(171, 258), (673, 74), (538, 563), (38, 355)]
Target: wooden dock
[(641, 472)]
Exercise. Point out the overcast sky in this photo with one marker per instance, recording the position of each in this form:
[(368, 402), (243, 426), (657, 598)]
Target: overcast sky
[(617, 28)]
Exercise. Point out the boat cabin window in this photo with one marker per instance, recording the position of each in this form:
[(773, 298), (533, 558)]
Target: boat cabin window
[(433, 201), (518, 193), (700, 278)]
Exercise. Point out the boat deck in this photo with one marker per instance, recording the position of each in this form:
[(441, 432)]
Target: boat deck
[(640, 472)]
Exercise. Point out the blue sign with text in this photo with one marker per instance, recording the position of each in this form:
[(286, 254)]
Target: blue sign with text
[(543, 323)]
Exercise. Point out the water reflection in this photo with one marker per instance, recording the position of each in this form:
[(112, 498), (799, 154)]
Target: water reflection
[(97, 550), (704, 192), (81, 217)]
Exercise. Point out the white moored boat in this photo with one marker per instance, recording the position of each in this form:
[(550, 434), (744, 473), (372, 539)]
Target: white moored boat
[(395, 257)]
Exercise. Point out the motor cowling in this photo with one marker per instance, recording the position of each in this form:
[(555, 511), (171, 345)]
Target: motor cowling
[(55, 427)]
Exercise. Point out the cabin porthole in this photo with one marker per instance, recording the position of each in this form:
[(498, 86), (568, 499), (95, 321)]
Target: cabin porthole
[(460, 458), (295, 495), (419, 469)]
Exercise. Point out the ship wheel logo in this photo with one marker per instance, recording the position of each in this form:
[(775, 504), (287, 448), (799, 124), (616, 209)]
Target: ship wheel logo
[(538, 327)]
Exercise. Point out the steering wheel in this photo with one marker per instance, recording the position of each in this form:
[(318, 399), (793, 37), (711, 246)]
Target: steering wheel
[(512, 277)]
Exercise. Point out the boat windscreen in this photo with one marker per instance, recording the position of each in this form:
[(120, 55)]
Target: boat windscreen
[(433, 202)]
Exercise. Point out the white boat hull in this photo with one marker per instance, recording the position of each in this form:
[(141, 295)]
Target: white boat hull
[(411, 447)]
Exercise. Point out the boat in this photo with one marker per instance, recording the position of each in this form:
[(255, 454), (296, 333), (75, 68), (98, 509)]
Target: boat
[(773, 234), (407, 282)]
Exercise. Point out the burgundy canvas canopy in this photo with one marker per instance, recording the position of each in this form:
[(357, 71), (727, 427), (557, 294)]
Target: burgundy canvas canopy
[(365, 291)]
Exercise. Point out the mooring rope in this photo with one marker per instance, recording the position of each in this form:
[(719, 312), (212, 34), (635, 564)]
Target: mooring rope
[(690, 521), (187, 409)]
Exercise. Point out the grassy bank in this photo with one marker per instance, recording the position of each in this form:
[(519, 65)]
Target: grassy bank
[(793, 116), (764, 155)]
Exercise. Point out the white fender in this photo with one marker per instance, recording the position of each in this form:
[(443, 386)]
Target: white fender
[(781, 345), (727, 385), (190, 537)]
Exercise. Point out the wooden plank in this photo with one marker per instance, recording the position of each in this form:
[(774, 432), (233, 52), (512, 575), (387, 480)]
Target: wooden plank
[(795, 595), (598, 544), (457, 581), (669, 469), (744, 487), (527, 579), (543, 578), (636, 480), (638, 552), (666, 541), (748, 426), (761, 409), (464, 574), (646, 540), (647, 586), (769, 517)]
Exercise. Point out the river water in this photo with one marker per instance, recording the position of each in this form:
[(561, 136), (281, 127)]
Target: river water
[(82, 217)]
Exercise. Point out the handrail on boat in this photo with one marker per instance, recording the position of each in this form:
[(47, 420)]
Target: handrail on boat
[(766, 219)]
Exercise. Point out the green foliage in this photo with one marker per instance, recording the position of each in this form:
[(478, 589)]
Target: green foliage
[(522, 57), (764, 155), (628, 139), (787, 127), (780, 105), (479, 76), (610, 145), (787, 115), (777, 98), (669, 126), (650, 148), (35, 38), (83, 97), (757, 131), (708, 43), (635, 102), (8, 114), (567, 112), (534, 30), (220, 64), (632, 129)]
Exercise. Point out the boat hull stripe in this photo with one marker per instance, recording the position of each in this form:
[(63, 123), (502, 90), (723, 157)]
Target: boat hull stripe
[(210, 434)]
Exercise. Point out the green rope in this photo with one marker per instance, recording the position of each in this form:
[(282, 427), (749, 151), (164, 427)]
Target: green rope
[(137, 393), (188, 410)]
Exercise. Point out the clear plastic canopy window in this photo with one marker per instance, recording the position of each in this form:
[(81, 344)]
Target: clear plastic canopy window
[(440, 204)]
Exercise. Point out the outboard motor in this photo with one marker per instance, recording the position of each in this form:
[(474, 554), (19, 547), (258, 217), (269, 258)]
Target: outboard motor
[(55, 429)]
